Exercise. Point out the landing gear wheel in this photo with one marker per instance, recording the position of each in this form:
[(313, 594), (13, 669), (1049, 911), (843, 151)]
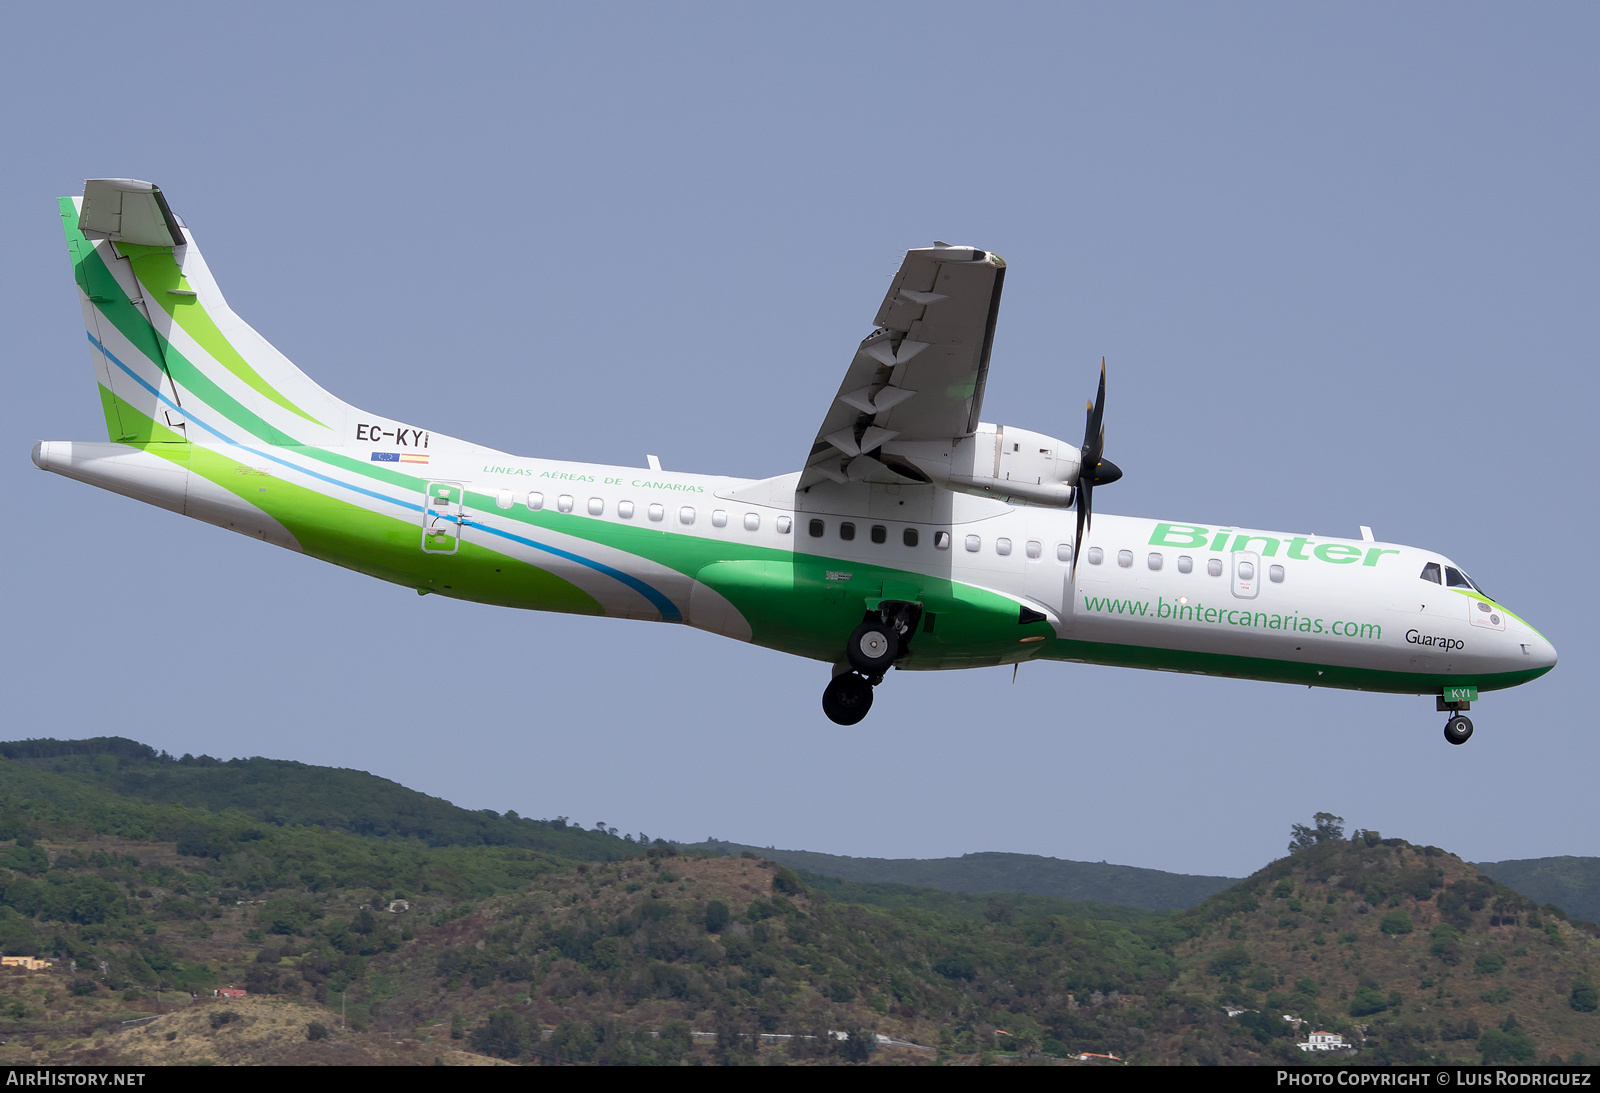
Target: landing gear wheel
[(872, 648), (1458, 730), (847, 699)]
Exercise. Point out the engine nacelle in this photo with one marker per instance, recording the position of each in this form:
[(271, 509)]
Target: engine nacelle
[(999, 461)]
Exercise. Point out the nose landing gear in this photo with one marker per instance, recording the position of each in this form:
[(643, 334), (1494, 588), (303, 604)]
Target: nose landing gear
[(873, 648), (1457, 730)]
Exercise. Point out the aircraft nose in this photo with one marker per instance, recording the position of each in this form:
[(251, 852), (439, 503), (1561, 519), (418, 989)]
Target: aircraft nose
[(1539, 651)]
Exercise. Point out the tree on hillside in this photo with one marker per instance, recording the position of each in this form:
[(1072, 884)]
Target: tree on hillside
[(502, 1036), (1329, 828), (1507, 1044)]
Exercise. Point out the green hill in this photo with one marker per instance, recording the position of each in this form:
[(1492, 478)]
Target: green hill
[(1406, 950), (288, 794), (1083, 882), (375, 945), (969, 906), (1572, 884)]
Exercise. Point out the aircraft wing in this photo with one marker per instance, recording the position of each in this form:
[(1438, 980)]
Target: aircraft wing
[(920, 374)]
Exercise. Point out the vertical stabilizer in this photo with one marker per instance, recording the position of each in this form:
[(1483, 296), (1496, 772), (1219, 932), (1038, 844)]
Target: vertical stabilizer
[(173, 361)]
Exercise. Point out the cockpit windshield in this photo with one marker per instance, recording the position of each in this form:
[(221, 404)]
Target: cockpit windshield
[(1454, 578)]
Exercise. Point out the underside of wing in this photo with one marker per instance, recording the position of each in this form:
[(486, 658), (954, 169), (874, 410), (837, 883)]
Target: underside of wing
[(920, 374)]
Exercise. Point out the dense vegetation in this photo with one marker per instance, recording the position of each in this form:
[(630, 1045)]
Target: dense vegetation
[(449, 934), (1416, 954), (1080, 882), (286, 794), (1573, 884)]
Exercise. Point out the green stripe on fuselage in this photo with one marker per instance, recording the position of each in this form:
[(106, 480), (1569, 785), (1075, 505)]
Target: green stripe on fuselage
[(354, 537), (1278, 671)]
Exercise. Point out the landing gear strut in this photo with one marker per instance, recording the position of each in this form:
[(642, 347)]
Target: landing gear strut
[(1457, 730), (871, 651)]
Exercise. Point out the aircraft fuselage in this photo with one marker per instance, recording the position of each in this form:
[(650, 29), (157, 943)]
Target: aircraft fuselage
[(758, 561)]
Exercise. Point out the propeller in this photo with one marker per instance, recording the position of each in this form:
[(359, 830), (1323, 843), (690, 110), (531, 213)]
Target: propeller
[(1093, 469)]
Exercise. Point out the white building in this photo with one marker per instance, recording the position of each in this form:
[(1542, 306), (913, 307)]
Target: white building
[(1323, 1041)]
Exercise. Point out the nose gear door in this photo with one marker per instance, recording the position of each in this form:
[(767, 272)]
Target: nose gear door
[(442, 517)]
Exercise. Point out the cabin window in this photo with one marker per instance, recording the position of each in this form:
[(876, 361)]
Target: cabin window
[(1430, 572), (625, 509), (597, 506), (536, 501), (941, 540), (816, 528), (752, 521), (686, 515), (847, 531), (1096, 555), (504, 499), (656, 513), (1154, 561), (784, 524), (974, 544), (880, 534), (1033, 549), (1185, 564), (909, 537), (1002, 546), (1125, 559), (1064, 552), (719, 519), (1247, 571), (1275, 574), (1214, 567), (564, 502)]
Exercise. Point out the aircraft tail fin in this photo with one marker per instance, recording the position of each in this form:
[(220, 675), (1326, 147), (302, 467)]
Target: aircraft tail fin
[(173, 361)]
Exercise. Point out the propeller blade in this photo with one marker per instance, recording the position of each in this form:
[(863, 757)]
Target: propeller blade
[(1093, 469), (1085, 503), (1097, 410)]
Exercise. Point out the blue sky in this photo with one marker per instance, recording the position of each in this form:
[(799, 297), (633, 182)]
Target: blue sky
[(1341, 261)]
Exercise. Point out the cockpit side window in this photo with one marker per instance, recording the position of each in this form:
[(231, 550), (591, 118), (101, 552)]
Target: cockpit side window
[(1430, 572)]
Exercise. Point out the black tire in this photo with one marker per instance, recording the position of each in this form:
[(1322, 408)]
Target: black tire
[(1458, 730), (847, 699), (872, 648)]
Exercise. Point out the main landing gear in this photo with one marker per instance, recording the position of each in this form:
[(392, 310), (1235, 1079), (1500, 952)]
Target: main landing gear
[(1457, 730), (847, 698), (871, 651)]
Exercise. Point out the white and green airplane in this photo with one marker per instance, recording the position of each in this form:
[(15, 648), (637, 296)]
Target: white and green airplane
[(914, 536)]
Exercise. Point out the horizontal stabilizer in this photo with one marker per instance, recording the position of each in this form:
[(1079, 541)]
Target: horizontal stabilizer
[(126, 210)]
